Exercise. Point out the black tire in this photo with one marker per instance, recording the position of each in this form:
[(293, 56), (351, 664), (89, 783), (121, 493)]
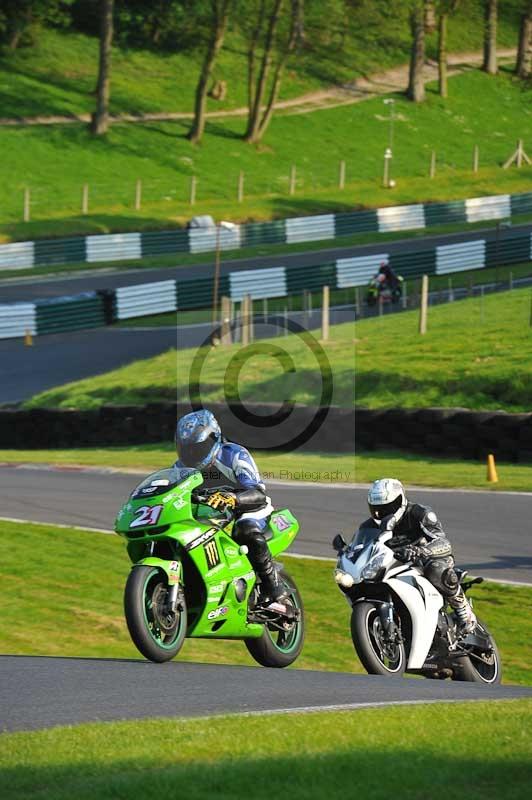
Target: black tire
[(366, 629), (164, 639), (476, 671), (280, 649)]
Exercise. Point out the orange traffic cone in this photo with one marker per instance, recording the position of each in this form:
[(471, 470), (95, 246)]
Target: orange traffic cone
[(28, 338), (492, 471)]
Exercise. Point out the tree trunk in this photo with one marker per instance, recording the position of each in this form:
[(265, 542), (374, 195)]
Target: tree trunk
[(257, 30), (100, 118), (220, 9), (416, 84), (523, 67), (255, 108), (490, 37), (294, 37), (442, 55)]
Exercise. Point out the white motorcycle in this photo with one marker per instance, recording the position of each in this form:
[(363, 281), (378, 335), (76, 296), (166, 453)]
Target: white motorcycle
[(401, 623)]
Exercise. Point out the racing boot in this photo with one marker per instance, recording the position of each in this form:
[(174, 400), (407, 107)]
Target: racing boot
[(465, 615), (272, 589)]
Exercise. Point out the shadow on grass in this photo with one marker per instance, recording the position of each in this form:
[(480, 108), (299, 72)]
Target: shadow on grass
[(63, 227), (402, 774)]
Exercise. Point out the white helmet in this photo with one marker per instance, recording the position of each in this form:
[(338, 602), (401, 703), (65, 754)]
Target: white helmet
[(386, 497)]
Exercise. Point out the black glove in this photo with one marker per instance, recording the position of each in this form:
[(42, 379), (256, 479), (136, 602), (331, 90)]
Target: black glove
[(408, 553)]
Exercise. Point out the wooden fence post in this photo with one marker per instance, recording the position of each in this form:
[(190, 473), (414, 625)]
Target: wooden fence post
[(475, 158), (432, 172), (325, 308), (85, 199), (341, 175), (192, 190), (27, 205), (424, 305), (292, 179), (240, 193), (138, 195)]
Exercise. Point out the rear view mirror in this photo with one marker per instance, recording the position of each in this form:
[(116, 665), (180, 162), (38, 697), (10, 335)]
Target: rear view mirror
[(339, 543)]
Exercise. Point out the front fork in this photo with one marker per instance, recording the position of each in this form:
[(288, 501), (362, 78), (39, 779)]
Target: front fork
[(389, 625)]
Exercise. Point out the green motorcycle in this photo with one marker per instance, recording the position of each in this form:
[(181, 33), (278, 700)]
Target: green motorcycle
[(191, 579)]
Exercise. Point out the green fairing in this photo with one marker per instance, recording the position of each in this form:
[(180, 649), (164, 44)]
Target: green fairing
[(192, 547)]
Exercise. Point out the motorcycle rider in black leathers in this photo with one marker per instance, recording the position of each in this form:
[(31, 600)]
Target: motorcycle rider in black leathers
[(418, 536), (230, 468)]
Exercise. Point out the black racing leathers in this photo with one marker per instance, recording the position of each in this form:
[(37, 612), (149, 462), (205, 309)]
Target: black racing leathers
[(419, 526)]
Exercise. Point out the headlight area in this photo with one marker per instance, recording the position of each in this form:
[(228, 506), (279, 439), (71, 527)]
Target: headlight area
[(343, 579), (373, 568)]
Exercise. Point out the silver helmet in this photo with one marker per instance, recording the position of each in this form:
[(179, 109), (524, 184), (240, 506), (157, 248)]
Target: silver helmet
[(386, 498)]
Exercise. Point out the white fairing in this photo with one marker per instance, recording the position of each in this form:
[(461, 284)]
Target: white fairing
[(423, 602)]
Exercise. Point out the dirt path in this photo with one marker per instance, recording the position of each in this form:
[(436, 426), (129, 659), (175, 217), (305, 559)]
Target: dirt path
[(391, 80)]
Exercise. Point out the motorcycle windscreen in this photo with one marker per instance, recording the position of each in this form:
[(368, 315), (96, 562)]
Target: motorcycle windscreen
[(161, 482)]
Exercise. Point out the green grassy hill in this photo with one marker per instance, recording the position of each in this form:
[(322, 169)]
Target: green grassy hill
[(473, 356), (58, 76), (56, 161)]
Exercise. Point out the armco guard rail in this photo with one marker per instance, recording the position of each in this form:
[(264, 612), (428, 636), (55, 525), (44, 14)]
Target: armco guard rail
[(131, 246), (104, 307)]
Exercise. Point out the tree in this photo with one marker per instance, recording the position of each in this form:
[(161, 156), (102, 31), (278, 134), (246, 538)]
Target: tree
[(523, 66), (416, 83), (19, 18), (490, 37), (276, 30), (219, 17), (100, 118), (446, 7)]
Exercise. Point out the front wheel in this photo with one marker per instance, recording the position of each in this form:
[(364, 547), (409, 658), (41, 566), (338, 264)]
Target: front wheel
[(277, 648), (481, 666), (379, 654), (157, 631)]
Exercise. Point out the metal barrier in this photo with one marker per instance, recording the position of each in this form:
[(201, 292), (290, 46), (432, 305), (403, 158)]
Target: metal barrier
[(104, 307), (17, 319), (123, 246), (145, 299)]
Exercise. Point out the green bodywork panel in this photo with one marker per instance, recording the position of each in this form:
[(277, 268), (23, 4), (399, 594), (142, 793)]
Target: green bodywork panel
[(157, 518)]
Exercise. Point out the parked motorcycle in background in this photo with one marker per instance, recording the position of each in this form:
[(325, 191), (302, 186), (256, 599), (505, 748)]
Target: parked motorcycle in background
[(401, 623)]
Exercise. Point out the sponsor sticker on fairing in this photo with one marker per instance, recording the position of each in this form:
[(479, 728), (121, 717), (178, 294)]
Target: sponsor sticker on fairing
[(218, 612)]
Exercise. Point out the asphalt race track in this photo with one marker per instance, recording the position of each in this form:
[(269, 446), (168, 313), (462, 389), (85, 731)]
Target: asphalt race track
[(40, 288), (63, 357), (39, 692), (489, 531)]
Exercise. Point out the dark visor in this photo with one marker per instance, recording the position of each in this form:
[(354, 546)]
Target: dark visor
[(385, 510), (192, 453)]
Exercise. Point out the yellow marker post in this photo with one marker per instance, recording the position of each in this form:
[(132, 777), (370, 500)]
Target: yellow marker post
[(28, 338), (492, 471)]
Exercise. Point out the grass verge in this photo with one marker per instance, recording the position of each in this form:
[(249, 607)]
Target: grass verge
[(377, 753), (472, 357), (362, 467), (89, 621)]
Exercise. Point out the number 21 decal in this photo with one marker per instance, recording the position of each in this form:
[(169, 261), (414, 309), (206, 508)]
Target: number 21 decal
[(146, 515)]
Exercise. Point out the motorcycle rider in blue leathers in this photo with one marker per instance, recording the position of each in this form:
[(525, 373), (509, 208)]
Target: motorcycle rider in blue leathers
[(230, 468)]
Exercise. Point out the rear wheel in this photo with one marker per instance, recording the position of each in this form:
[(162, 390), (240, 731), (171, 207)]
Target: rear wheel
[(481, 666), (378, 653), (156, 631), (276, 648)]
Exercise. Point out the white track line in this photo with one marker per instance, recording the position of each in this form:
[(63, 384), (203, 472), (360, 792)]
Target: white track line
[(281, 555), (79, 468)]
